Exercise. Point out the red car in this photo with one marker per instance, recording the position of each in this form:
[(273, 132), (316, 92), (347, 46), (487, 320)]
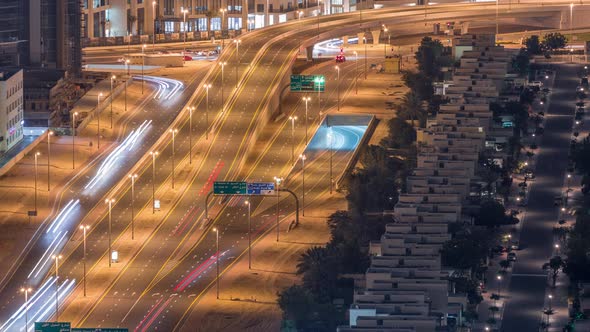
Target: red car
[(187, 58), (340, 58)]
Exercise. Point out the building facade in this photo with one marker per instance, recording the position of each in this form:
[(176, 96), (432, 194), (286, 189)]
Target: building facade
[(11, 108), (116, 18)]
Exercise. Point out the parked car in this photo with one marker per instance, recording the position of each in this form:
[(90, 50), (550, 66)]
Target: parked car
[(187, 58), (511, 256), (340, 58), (580, 104), (536, 83), (529, 174)]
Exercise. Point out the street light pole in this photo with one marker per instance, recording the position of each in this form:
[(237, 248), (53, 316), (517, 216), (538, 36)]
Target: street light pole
[(190, 134), (173, 132), (154, 3), (98, 114), (331, 138), (306, 99), (153, 154), (37, 154), (356, 72), (26, 291), (338, 88), (142, 64), (222, 64), (84, 228), (216, 230), (223, 11), (57, 258), (278, 182), (110, 201), (184, 11), (133, 177), (112, 79), (74, 139), (384, 45), (237, 42), (571, 18), (128, 75), (497, 5), (49, 134), (249, 235), (207, 87), (366, 68), (292, 119), (303, 158)]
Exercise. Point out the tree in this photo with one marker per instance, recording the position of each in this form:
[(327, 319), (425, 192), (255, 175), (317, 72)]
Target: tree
[(297, 304), (401, 134), (578, 249), (554, 265), (419, 83), (504, 264), (554, 41), (491, 214), (520, 115), (581, 155), (533, 45), (319, 274), (411, 108), (430, 57), (521, 62)]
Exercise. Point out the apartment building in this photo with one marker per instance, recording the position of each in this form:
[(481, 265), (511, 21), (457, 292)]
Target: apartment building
[(11, 108)]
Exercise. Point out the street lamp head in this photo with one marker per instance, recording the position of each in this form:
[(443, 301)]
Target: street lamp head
[(292, 118), (499, 277), (173, 131), (75, 113), (50, 133), (127, 61), (132, 176), (109, 200), (562, 209), (207, 86), (215, 229), (113, 77), (569, 176), (550, 296), (154, 153), (337, 68), (247, 202), (302, 157), (154, 3), (27, 290), (557, 246), (278, 180), (84, 227), (57, 257)]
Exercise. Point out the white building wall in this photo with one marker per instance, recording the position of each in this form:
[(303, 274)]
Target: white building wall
[(11, 110)]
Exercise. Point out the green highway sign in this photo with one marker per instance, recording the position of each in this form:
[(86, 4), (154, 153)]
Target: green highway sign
[(52, 326), (308, 83), (230, 188), (99, 329)]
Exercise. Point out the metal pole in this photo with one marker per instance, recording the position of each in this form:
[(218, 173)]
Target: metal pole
[(132, 205), (110, 202), (154, 39), (306, 100), (207, 86), (142, 64), (36, 157), (217, 258), (112, 79), (49, 133), (57, 258), (222, 97), (26, 291), (248, 202), (154, 154), (278, 182), (356, 72), (366, 68), (303, 158), (190, 135), (173, 131), (127, 65), (74, 139), (98, 114), (331, 153), (292, 118), (84, 228), (338, 88)]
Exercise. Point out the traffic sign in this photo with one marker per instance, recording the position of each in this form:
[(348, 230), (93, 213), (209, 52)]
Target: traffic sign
[(229, 188), (308, 83), (261, 188), (99, 329), (52, 326)]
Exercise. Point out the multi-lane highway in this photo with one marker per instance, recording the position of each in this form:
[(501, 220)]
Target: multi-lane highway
[(169, 262)]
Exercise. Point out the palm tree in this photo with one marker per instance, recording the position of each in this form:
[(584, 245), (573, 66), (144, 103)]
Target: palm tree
[(411, 107)]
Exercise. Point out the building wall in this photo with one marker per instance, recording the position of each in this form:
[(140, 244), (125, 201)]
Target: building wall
[(11, 109)]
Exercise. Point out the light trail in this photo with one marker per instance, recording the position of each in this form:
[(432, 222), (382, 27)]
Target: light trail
[(106, 167), (21, 311), (42, 315), (48, 253), (164, 91), (63, 214)]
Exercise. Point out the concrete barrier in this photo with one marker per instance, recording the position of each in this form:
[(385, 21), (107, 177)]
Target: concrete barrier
[(4, 169)]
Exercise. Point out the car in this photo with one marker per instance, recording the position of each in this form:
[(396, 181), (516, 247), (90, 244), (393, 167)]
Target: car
[(557, 200), (528, 174), (515, 247), (580, 88), (340, 58), (546, 90), (511, 256), (187, 58), (498, 249), (541, 114), (536, 83), (580, 104), (584, 81)]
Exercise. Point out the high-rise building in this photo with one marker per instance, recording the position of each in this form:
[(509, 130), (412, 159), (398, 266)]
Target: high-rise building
[(11, 108), (41, 33)]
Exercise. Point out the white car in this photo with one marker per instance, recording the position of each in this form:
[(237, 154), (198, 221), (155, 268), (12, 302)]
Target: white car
[(536, 83)]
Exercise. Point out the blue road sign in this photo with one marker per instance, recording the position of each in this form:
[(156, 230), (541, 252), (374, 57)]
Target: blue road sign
[(261, 188), (52, 326)]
